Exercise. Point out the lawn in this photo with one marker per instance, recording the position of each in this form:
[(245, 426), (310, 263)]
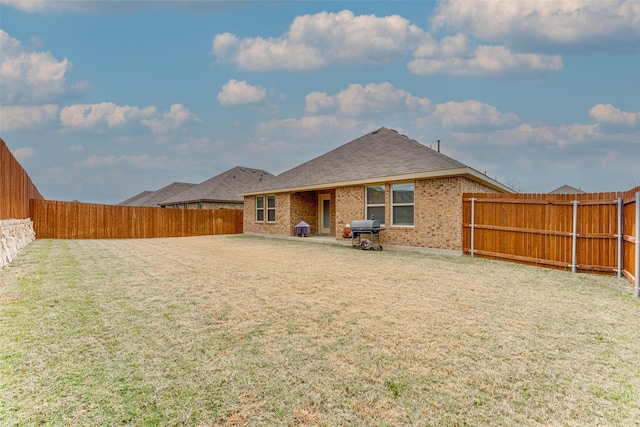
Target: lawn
[(240, 330)]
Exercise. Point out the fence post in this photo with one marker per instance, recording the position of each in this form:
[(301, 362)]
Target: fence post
[(473, 223), (636, 291), (620, 236), (574, 240)]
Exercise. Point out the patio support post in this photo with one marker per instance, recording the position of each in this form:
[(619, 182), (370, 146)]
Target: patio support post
[(473, 224), (574, 240), (620, 236), (636, 291)]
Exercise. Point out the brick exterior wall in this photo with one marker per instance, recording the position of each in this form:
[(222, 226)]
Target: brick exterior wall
[(437, 213), (304, 207), (349, 206), (282, 224)]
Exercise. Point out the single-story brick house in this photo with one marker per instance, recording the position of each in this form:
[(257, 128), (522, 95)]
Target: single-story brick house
[(221, 191), (415, 191)]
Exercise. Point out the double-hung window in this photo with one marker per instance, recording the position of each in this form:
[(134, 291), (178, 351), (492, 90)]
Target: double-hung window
[(402, 204), (259, 208), (375, 202), (271, 208)]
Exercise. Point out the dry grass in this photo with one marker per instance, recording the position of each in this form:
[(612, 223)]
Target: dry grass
[(237, 330)]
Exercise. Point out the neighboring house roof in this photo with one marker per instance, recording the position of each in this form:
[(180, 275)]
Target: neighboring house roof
[(225, 187), (133, 199), (567, 189), (381, 154), (153, 198)]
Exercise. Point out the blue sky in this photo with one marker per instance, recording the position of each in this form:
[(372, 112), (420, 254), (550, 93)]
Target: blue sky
[(100, 100)]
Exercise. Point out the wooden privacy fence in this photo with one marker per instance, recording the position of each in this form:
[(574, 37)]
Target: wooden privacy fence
[(16, 188), (74, 220), (593, 232)]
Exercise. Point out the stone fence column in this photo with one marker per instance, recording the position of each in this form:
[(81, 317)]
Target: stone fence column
[(15, 235)]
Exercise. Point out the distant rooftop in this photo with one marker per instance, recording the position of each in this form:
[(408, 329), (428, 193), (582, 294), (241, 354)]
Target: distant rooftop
[(225, 187), (153, 198), (567, 189)]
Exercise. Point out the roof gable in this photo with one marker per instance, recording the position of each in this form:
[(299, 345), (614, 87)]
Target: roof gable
[(567, 189), (378, 154)]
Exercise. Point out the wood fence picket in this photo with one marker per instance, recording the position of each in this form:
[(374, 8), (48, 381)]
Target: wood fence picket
[(538, 229)]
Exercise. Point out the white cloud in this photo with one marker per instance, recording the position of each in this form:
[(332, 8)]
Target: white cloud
[(577, 133), (99, 116), (314, 41), (323, 39), (489, 60), (240, 93), (172, 120), (32, 77), (195, 145), (471, 114), (27, 116), (109, 116), (374, 98), (608, 114), (386, 100), (101, 6), (306, 127), (525, 134), (32, 6), (143, 161), (447, 47), (553, 25), (24, 153)]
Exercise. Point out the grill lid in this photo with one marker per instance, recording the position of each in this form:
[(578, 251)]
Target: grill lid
[(365, 224)]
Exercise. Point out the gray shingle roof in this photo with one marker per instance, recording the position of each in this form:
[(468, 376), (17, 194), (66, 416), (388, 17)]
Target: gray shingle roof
[(153, 198), (378, 154), (225, 187), (567, 189), (131, 201)]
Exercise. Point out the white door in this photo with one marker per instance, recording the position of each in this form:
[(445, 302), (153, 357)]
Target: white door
[(324, 214)]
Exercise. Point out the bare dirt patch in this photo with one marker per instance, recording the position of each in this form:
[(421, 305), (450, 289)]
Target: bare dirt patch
[(236, 330)]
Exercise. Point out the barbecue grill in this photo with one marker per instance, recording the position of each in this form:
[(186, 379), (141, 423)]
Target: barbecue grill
[(367, 227)]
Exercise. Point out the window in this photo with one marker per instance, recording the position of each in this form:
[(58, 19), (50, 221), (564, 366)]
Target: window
[(402, 204), (271, 208), (375, 203), (260, 208)]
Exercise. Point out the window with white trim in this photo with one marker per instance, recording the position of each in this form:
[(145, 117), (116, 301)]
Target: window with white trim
[(375, 202), (402, 196), (271, 208), (260, 208)]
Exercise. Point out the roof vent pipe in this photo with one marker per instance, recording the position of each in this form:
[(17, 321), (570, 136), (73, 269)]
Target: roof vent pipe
[(438, 146)]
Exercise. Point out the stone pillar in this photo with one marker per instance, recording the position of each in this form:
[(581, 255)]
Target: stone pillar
[(15, 235)]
